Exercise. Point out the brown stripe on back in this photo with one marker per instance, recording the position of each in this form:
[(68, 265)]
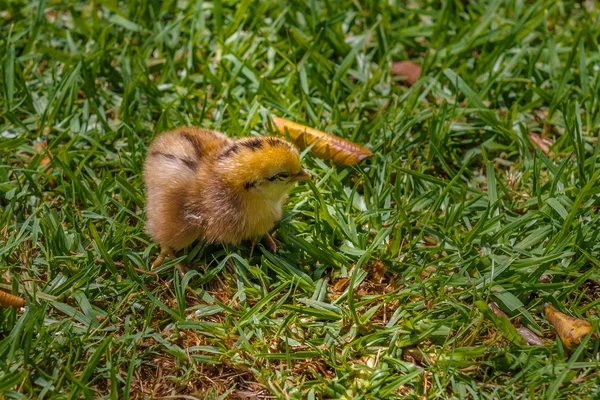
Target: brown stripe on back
[(233, 149), (273, 141), (191, 164), (254, 143), (195, 142), (165, 155)]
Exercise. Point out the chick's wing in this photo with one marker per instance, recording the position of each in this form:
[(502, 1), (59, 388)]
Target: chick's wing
[(177, 155)]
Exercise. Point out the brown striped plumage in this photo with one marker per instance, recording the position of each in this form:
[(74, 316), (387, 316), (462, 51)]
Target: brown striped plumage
[(201, 184)]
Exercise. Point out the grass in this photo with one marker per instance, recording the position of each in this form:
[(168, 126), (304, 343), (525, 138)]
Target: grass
[(380, 286)]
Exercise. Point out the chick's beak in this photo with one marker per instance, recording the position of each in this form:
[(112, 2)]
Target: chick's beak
[(301, 176)]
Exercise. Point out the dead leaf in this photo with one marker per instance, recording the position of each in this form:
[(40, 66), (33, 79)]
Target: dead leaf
[(545, 278), (494, 307), (413, 354), (541, 143), (427, 272), (341, 284), (571, 330), (377, 269), (325, 145), (527, 335), (43, 148), (530, 337), (7, 300), (408, 69)]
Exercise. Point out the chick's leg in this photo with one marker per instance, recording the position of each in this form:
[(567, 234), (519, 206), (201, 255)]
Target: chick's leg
[(167, 251), (164, 252), (182, 269), (252, 248), (269, 243)]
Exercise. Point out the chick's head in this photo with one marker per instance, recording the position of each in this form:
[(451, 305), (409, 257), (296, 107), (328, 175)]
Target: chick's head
[(261, 166)]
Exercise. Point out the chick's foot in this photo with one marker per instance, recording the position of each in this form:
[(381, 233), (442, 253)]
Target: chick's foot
[(182, 269)]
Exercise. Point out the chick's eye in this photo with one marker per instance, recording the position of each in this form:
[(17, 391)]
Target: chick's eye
[(279, 177)]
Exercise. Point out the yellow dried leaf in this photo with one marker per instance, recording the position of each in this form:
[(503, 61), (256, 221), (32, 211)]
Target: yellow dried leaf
[(7, 300), (571, 330), (325, 145)]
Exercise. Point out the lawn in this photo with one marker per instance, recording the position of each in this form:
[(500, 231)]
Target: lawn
[(483, 189)]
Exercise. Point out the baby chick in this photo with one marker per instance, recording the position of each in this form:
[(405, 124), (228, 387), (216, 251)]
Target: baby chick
[(201, 184)]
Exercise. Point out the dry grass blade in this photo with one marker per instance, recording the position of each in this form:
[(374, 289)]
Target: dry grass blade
[(408, 69), (8, 300), (324, 145), (570, 329)]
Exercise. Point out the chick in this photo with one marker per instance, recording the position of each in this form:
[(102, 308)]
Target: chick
[(202, 185)]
